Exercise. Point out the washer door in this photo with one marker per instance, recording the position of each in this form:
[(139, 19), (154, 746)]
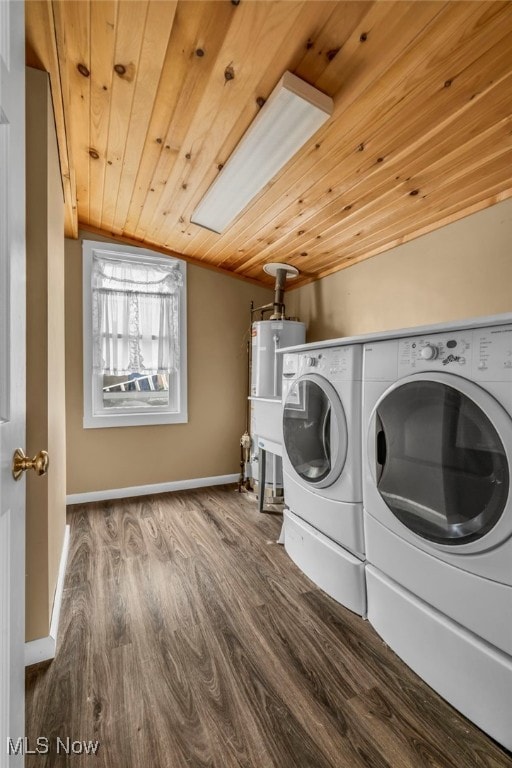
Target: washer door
[(439, 462), (315, 431)]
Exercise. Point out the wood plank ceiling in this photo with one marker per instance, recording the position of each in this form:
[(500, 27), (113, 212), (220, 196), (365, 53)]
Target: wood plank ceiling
[(151, 97)]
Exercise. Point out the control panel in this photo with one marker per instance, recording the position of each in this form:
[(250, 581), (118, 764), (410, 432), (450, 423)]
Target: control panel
[(435, 352), (332, 363), (335, 363), (483, 354)]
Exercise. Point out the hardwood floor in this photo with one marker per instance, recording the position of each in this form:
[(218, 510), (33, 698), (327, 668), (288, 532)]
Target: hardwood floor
[(189, 639)]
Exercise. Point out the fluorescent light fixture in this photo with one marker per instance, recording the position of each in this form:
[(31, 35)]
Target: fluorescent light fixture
[(291, 115)]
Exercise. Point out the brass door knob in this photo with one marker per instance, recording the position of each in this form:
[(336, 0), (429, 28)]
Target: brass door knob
[(20, 463)]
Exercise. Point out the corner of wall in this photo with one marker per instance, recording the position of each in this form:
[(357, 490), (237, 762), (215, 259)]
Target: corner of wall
[(45, 357), (458, 271)]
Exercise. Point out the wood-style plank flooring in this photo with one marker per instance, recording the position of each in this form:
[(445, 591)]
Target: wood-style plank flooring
[(188, 639)]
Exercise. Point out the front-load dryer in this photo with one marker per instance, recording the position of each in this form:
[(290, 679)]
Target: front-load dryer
[(437, 455), (323, 529)]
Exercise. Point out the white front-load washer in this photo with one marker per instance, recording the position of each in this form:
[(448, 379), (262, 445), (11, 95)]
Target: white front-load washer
[(323, 527), (437, 456)]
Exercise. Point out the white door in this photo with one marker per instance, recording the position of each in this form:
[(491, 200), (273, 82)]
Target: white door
[(315, 431), (12, 374)]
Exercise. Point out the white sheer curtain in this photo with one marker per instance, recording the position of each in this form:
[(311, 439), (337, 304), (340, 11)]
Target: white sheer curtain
[(135, 312)]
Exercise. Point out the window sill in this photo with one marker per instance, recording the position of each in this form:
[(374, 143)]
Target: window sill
[(133, 420)]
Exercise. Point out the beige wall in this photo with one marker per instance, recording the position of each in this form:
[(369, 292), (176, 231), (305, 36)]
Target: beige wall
[(460, 271), (46, 496), (218, 318)]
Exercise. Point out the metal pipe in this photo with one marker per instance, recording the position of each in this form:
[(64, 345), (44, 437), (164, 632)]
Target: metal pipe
[(248, 407), (249, 367), (241, 477), (276, 347), (279, 293), (245, 440), (264, 308)]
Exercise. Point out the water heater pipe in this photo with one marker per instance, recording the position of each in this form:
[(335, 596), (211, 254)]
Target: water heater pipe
[(281, 272), (279, 293), (276, 347)]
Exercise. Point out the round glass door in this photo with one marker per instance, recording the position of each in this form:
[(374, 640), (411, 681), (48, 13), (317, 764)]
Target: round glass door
[(315, 431), (441, 466)]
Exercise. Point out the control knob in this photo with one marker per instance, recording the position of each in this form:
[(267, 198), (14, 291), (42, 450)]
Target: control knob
[(429, 352), (311, 362)]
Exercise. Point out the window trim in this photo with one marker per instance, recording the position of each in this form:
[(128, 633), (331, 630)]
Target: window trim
[(91, 419)]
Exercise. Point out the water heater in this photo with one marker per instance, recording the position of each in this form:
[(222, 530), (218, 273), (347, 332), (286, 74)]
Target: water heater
[(268, 336)]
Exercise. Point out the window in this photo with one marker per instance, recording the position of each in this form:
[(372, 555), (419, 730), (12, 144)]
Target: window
[(134, 337)]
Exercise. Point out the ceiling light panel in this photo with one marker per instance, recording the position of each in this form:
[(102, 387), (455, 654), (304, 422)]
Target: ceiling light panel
[(291, 115)]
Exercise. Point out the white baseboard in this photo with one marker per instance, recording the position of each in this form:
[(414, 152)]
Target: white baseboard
[(44, 648), (145, 490)]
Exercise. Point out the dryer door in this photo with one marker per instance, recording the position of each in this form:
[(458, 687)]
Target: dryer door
[(315, 431), (439, 445)]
